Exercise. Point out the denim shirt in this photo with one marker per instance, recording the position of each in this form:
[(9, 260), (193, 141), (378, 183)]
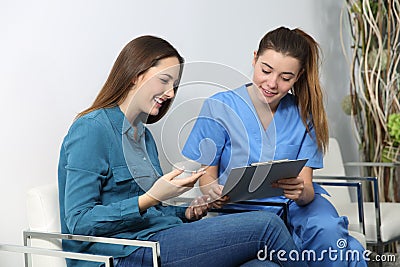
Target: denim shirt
[(104, 167)]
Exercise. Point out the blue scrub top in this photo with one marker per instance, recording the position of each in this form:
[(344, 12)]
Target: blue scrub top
[(228, 133)]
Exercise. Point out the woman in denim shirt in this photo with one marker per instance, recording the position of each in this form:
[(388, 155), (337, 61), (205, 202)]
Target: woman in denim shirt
[(111, 183)]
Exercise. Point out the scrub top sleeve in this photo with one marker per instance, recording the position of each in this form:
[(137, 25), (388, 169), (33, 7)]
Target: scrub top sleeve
[(87, 147), (207, 138)]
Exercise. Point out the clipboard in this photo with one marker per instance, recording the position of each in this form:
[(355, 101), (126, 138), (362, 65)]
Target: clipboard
[(254, 181)]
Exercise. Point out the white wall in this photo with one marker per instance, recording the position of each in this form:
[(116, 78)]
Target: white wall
[(55, 55)]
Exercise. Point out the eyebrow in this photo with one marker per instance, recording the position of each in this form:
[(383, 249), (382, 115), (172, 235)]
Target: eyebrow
[(169, 76), (285, 72)]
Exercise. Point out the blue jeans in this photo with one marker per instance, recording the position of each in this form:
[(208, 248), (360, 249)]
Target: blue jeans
[(248, 239)]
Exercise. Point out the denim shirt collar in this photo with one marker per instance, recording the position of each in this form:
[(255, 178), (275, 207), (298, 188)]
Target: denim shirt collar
[(121, 123)]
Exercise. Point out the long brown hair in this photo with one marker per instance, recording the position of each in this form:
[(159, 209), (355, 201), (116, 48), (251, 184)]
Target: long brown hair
[(136, 58), (307, 89)]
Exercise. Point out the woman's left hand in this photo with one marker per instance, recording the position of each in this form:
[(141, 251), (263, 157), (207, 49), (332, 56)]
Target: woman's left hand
[(198, 208), (292, 187)]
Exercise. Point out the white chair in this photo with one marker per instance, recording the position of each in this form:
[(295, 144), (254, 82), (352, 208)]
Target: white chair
[(44, 238), (381, 220)]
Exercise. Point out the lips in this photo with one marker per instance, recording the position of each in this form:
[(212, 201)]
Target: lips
[(268, 93), (158, 100)]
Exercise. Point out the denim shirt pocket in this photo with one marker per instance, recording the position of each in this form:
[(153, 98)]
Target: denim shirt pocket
[(123, 181), (133, 180), (286, 152)]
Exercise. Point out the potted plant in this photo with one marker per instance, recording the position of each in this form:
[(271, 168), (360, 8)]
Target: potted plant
[(375, 83), (391, 152)]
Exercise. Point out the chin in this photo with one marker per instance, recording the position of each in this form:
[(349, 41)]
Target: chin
[(264, 99), (154, 112)]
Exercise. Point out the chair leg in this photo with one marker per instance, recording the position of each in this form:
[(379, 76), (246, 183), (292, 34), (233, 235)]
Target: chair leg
[(380, 250)]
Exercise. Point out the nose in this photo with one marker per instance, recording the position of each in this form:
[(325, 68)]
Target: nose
[(169, 93), (271, 82)]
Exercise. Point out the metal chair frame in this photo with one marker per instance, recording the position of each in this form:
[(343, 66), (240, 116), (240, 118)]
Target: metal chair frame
[(29, 235)]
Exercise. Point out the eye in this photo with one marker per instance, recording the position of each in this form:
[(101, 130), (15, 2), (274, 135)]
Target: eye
[(286, 79), (164, 81), (265, 71)]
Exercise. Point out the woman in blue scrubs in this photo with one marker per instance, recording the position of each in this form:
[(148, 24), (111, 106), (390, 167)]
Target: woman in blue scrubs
[(280, 115), (111, 184)]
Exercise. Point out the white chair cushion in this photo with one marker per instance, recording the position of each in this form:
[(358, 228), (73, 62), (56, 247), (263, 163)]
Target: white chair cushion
[(390, 220), (43, 208), (43, 216), (359, 236)]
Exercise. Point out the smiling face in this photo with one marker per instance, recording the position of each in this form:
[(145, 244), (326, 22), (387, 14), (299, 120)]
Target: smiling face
[(152, 89), (274, 75)]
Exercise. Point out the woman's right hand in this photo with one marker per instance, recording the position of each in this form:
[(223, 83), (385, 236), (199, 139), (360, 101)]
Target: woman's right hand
[(169, 186), (216, 199)]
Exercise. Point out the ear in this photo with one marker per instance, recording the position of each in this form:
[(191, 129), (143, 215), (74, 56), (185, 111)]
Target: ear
[(137, 79), (134, 80), (254, 58)]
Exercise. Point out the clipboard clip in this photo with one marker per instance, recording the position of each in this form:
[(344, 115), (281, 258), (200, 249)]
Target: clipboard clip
[(268, 162)]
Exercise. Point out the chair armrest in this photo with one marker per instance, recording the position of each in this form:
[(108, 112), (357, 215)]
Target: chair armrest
[(375, 192), (371, 164), (107, 260), (360, 196), (154, 245)]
